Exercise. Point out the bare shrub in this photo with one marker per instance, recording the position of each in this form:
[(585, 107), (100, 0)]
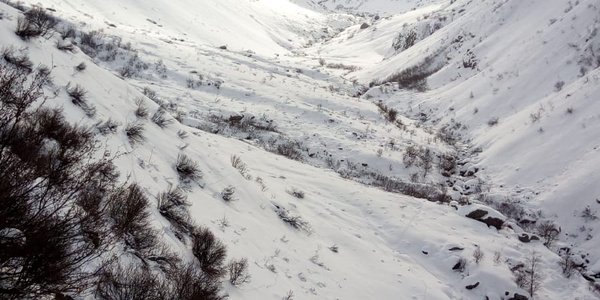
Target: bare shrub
[(160, 118), (64, 45), (290, 149), (20, 62), (296, 193), (107, 127), (567, 265), (46, 166), (527, 276), (493, 121), (478, 255), (173, 204), (128, 208), (228, 193), (78, 97), (118, 282), (141, 110), (548, 231), (80, 67), (135, 132), (295, 221), (209, 251), (36, 22), (238, 271), (239, 164), (460, 265), (187, 168), (190, 283)]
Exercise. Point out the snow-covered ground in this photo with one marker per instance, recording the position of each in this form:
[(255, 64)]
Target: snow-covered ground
[(295, 70)]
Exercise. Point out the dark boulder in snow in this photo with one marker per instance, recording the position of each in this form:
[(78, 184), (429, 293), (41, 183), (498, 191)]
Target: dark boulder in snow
[(364, 26), (472, 286), (480, 215), (526, 238)]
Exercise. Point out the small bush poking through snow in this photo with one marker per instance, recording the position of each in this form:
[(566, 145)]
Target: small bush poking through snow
[(141, 110), (80, 67), (209, 251), (187, 168), (548, 231), (129, 210), (160, 118), (228, 193), (238, 271), (78, 97), (135, 132), (21, 62), (460, 265), (36, 22), (172, 204), (107, 127), (295, 221), (296, 193), (477, 255)]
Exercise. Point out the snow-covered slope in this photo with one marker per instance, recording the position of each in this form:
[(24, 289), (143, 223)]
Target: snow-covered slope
[(387, 245), (266, 26), (532, 66)]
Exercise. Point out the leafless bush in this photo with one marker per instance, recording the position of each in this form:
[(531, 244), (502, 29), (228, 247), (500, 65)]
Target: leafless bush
[(209, 251), (567, 265), (295, 221), (187, 168), (107, 127), (477, 254), (239, 164), (80, 67), (289, 295), (493, 121), (160, 118), (21, 61), (141, 110), (290, 149), (128, 208), (343, 67), (296, 193), (118, 282), (173, 204), (36, 22), (238, 271), (78, 97), (135, 132), (588, 214), (47, 167), (548, 231), (190, 283), (64, 45), (527, 276), (228, 193), (133, 67), (460, 265)]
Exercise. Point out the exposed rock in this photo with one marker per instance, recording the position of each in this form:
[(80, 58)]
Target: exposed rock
[(456, 249), (526, 238), (472, 286), (478, 215), (364, 26), (519, 297)]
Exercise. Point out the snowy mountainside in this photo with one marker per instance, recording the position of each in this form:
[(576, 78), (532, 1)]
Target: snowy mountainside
[(382, 7), (307, 232), (520, 78)]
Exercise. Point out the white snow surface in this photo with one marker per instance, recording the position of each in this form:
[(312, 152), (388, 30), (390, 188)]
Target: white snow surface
[(391, 246)]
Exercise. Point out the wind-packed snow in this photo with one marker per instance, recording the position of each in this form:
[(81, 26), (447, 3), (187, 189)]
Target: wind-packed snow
[(544, 151)]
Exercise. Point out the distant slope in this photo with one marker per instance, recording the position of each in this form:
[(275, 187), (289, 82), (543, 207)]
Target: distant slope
[(383, 7), (532, 66), (267, 26)]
